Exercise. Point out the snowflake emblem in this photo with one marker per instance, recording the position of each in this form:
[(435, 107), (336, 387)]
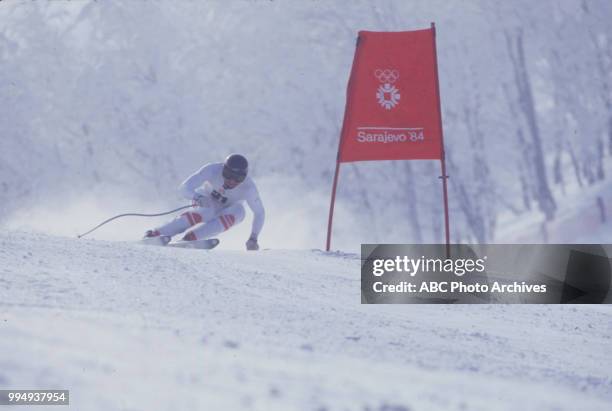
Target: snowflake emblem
[(387, 94)]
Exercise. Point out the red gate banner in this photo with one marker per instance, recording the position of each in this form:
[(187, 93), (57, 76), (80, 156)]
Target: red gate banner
[(392, 108)]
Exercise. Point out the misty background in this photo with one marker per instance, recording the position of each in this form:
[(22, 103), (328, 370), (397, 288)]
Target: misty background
[(107, 106)]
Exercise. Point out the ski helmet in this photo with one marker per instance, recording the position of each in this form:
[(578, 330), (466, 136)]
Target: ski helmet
[(235, 167)]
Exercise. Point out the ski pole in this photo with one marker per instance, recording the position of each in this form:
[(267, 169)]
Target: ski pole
[(132, 215)]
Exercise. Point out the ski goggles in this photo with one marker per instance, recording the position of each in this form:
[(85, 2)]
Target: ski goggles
[(233, 174)]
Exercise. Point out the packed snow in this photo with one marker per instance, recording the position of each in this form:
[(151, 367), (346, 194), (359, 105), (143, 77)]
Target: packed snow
[(130, 327)]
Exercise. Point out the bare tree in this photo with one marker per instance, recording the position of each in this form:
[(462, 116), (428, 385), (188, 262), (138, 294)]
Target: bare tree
[(516, 51)]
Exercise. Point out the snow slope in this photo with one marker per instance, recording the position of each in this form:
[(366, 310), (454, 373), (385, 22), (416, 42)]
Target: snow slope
[(129, 327)]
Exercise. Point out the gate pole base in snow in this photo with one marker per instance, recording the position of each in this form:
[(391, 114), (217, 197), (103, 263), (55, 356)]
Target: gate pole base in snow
[(444, 177)]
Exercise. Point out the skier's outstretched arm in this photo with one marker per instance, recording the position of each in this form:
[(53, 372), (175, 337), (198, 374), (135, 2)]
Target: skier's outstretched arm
[(259, 216), (187, 189)]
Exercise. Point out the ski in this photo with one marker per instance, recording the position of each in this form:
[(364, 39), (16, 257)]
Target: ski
[(160, 240), (207, 244)]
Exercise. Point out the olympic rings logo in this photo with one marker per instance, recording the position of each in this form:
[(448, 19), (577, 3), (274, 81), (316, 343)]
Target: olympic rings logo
[(387, 76)]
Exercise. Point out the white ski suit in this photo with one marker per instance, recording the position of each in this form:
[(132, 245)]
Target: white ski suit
[(220, 208)]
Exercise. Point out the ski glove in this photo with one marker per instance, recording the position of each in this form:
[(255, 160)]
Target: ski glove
[(252, 245), (201, 200)]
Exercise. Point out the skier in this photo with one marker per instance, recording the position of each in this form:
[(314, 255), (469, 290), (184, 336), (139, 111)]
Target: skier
[(217, 191)]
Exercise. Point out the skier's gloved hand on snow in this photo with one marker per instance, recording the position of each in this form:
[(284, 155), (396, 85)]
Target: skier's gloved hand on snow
[(252, 245), (201, 200)]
